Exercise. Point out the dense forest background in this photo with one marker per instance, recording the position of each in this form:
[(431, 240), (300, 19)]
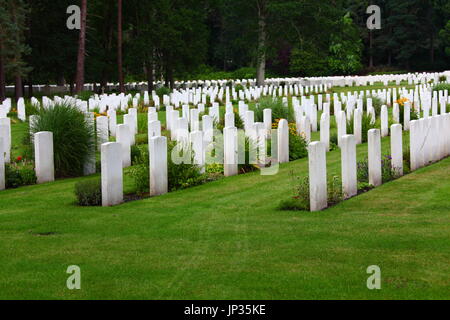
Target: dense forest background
[(147, 40)]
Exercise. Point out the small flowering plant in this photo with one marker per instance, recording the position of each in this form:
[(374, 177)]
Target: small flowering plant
[(402, 101)]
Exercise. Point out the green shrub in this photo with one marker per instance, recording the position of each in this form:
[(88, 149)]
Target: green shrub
[(162, 91), (442, 87), (136, 154), (377, 104), (279, 111), (387, 172), (300, 200), (140, 170), (413, 114), (30, 109), (334, 189), (19, 174), (180, 176), (184, 175), (363, 171), (142, 124), (89, 193), (73, 137), (298, 147), (366, 125), (244, 73), (85, 95)]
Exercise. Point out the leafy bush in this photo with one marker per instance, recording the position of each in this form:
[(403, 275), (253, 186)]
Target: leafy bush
[(162, 91), (442, 87), (279, 111), (136, 154), (366, 125), (413, 114), (85, 95), (363, 171), (334, 189), (89, 193), (140, 170), (377, 104), (180, 176), (300, 200), (19, 174), (387, 172), (73, 137), (298, 146), (244, 73)]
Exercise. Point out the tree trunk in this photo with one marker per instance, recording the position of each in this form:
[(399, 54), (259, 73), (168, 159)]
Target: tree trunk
[(119, 46), (30, 86), (370, 50), (432, 49), (2, 77), (261, 54), (150, 73), (19, 87), (81, 49)]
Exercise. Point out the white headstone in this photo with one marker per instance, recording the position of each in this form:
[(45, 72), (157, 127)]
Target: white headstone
[(44, 159), (158, 166), (397, 148), (348, 165), (374, 136), (124, 138), (112, 174), (317, 176)]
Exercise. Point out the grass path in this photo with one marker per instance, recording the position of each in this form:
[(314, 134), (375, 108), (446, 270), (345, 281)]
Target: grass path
[(226, 240)]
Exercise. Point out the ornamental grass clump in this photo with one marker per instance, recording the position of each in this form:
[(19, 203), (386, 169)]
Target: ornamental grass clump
[(73, 137)]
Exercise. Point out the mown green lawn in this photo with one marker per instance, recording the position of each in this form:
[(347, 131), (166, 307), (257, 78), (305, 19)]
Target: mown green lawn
[(227, 240)]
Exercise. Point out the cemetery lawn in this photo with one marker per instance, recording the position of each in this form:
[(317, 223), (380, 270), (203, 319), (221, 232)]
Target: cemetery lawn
[(227, 240)]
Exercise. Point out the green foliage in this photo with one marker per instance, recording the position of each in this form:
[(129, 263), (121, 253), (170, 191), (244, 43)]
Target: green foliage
[(279, 111), (309, 61), (140, 171), (89, 193), (366, 124), (180, 176), (300, 200), (345, 49), (442, 87), (377, 104), (334, 190), (73, 137), (298, 146), (160, 92), (19, 174), (444, 35), (85, 95)]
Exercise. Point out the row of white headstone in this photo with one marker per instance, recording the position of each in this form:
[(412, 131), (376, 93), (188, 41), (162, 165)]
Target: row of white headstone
[(429, 142)]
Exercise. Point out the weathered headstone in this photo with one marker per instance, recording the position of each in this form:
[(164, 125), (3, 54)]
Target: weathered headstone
[(5, 133), (230, 151), (44, 158), (2, 165), (348, 165), (397, 148), (317, 176), (124, 138), (112, 174), (158, 166), (374, 136), (283, 141)]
